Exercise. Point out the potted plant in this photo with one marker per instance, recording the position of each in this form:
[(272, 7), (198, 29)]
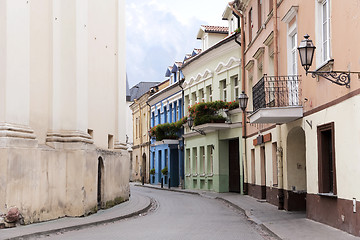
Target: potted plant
[(164, 171), (152, 173)]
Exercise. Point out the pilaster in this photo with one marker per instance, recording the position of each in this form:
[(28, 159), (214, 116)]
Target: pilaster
[(120, 137), (69, 110), (15, 74)]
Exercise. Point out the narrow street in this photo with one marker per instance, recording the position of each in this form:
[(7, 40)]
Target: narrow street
[(175, 216)]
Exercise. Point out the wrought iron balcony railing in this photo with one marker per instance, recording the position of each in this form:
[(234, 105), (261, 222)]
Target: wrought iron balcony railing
[(282, 91)]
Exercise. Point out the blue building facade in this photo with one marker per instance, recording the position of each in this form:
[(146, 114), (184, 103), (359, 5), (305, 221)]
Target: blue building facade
[(167, 107)]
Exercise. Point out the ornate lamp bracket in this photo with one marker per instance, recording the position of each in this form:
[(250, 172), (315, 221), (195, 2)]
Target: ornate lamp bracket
[(337, 77), (199, 131)]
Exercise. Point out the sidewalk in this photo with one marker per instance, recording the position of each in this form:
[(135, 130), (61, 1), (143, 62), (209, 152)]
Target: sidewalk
[(285, 225), (136, 205)]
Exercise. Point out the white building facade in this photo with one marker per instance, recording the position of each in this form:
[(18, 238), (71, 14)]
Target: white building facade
[(62, 88)]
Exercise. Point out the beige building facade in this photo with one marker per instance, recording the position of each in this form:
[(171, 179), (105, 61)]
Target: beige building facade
[(300, 144), (62, 88)]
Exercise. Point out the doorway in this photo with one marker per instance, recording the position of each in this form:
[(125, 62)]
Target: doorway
[(100, 184), (234, 166)]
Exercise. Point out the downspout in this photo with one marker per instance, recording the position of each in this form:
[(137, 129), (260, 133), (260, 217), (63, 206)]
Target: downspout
[(149, 121), (242, 45), (182, 182), (279, 150), (141, 139)]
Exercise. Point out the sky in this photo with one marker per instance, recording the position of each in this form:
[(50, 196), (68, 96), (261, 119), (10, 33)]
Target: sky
[(160, 32)]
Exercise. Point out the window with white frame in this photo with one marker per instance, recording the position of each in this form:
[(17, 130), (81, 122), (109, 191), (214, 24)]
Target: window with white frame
[(223, 90), (322, 38), (201, 95), (209, 93), (325, 27), (236, 87)]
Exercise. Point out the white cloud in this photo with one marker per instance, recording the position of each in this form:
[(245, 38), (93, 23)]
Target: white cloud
[(160, 32)]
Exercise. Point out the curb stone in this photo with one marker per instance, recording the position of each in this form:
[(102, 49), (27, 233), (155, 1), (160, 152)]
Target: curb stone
[(85, 225)]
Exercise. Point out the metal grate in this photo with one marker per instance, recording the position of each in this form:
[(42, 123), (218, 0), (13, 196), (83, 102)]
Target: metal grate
[(281, 91)]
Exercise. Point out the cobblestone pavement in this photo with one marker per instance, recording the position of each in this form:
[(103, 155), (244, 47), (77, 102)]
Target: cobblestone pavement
[(176, 216)]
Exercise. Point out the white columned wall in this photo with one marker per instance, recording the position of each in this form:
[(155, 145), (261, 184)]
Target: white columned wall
[(121, 74), (14, 72), (69, 111)]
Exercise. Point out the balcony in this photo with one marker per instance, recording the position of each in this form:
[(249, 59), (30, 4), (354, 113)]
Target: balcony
[(277, 100)]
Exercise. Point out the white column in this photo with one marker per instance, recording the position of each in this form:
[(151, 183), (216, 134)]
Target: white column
[(14, 71), (69, 114), (121, 91)]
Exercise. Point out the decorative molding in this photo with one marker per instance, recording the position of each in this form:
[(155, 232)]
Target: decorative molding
[(222, 67), (290, 14), (259, 52), (8, 130), (269, 39), (69, 137), (199, 77), (249, 65)]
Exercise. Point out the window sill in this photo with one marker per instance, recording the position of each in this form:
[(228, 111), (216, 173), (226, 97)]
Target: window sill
[(330, 195), (326, 66)]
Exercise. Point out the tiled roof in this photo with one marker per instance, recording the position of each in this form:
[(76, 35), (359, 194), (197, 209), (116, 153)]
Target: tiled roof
[(215, 29)]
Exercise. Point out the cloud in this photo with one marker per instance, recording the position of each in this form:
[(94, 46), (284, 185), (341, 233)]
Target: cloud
[(160, 32)]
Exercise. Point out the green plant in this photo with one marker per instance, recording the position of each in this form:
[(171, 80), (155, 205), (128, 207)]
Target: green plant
[(152, 171), (167, 130), (164, 171), (208, 112)]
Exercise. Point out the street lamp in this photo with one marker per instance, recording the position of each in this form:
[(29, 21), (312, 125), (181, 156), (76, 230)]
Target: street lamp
[(306, 53), (243, 100), (190, 122)]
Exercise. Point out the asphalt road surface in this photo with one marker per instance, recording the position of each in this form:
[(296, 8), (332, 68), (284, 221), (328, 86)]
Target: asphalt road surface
[(175, 216)]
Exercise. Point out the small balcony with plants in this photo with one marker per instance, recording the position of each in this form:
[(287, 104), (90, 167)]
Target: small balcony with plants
[(167, 133), (210, 116), (276, 99)]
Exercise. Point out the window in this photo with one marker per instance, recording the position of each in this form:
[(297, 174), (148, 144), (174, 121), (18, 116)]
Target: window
[(236, 88), (194, 160), (326, 158), (175, 112), (259, 14), (166, 158), (165, 114), (188, 161), (202, 160), (179, 109), (274, 164), (153, 160), (159, 117), (178, 112), (271, 3), (201, 95), (152, 119), (193, 98), (253, 177), (223, 89), (137, 127), (170, 114), (325, 27), (210, 157), (209, 93), (250, 23)]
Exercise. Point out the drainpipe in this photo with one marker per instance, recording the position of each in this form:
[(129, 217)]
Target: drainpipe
[(279, 150), (149, 121), (242, 45), (182, 182), (141, 136)]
